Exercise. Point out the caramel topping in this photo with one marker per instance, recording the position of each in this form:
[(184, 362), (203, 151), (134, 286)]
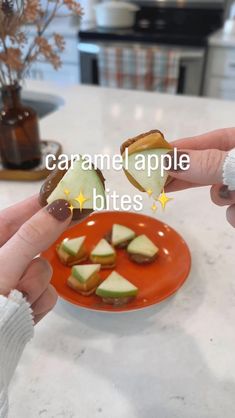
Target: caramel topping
[(149, 140)]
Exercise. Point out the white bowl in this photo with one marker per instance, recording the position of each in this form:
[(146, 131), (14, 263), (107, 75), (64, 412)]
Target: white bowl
[(115, 14)]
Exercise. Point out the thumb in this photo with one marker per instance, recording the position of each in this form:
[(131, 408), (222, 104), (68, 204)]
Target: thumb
[(34, 236), (205, 166)]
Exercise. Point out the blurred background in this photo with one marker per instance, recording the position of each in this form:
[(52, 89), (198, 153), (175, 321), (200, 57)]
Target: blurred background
[(178, 47)]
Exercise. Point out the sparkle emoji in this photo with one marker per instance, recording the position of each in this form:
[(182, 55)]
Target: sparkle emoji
[(71, 207), (154, 207), (67, 192), (164, 199), (149, 192), (81, 199)]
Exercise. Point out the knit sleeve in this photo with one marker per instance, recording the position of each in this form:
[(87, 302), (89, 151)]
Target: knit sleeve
[(16, 329), (229, 170)]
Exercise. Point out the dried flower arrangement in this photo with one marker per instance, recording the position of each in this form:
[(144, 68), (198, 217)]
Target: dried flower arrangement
[(17, 52)]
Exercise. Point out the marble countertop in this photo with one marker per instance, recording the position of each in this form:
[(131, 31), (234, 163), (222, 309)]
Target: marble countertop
[(173, 360)]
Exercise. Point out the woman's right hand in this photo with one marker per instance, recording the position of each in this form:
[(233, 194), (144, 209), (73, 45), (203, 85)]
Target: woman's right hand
[(207, 154)]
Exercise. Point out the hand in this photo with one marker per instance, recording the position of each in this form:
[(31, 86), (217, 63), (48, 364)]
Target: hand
[(207, 154), (25, 231)]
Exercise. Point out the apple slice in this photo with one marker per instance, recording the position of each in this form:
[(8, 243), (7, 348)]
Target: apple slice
[(78, 185), (154, 182), (145, 145), (142, 245), (116, 286), (85, 272), (121, 233), (72, 246), (103, 249), (85, 279)]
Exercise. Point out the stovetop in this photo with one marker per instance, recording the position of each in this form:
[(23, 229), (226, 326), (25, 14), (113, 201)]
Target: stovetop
[(165, 24), (133, 35)]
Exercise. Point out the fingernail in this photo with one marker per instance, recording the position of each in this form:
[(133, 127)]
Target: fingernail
[(59, 210), (224, 192), (25, 295), (176, 164)]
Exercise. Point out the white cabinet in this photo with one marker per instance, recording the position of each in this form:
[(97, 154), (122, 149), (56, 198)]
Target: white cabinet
[(219, 79), (68, 73), (221, 88)]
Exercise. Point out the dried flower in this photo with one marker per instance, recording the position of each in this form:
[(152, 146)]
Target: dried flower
[(12, 58), (46, 50), (18, 38), (31, 10), (14, 16), (73, 6), (59, 42), (7, 7)]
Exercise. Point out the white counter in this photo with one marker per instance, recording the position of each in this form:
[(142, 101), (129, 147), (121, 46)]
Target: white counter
[(174, 360), (222, 39)]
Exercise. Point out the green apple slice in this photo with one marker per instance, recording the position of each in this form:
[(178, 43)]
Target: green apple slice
[(84, 272), (78, 186), (154, 182), (72, 246), (142, 245), (103, 249), (116, 286), (121, 233)]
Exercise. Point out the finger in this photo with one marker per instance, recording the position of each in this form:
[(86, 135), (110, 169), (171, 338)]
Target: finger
[(221, 196), (223, 139), (206, 167), (13, 217), (36, 279), (45, 302), (39, 317), (34, 236), (231, 215), (177, 185)]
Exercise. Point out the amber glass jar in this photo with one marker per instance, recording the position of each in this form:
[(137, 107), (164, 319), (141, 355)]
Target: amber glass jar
[(19, 131)]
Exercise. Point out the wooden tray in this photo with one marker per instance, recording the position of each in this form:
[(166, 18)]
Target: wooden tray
[(37, 173)]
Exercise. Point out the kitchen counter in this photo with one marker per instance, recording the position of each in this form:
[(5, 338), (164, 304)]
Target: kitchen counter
[(173, 360), (222, 39)]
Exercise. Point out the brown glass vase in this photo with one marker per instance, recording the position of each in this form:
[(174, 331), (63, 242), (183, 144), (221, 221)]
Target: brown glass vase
[(19, 131)]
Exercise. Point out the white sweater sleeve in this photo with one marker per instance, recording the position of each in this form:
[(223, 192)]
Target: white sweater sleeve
[(229, 170), (16, 329)]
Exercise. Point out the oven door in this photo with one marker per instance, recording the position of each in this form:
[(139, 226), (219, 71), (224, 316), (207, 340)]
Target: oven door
[(191, 72), (189, 78), (88, 63)]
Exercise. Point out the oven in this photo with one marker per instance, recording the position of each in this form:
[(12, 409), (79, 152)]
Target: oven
[(161, 30)]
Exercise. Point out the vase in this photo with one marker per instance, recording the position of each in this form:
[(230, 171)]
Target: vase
[(19, 131)]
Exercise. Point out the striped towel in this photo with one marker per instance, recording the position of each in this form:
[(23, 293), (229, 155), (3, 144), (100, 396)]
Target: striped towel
[(166, 64), (139, 68)]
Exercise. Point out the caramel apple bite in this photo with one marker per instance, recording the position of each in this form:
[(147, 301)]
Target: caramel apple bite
[(76, 185), (85, 279), (120, 236), (148, 144), (72, 251), (142, 250), (103, 254), (116, 290)]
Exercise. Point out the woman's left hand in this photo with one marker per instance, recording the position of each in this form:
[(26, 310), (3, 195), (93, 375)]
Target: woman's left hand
[(25, 231)]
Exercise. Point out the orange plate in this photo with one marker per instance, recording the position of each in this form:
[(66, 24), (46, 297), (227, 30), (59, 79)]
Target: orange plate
[(155, 281)]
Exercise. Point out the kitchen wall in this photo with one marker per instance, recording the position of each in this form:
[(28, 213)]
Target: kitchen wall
[(87, 6)]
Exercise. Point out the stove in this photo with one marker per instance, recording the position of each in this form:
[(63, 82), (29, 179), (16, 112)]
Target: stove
[(180, 25), (175, 23)]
